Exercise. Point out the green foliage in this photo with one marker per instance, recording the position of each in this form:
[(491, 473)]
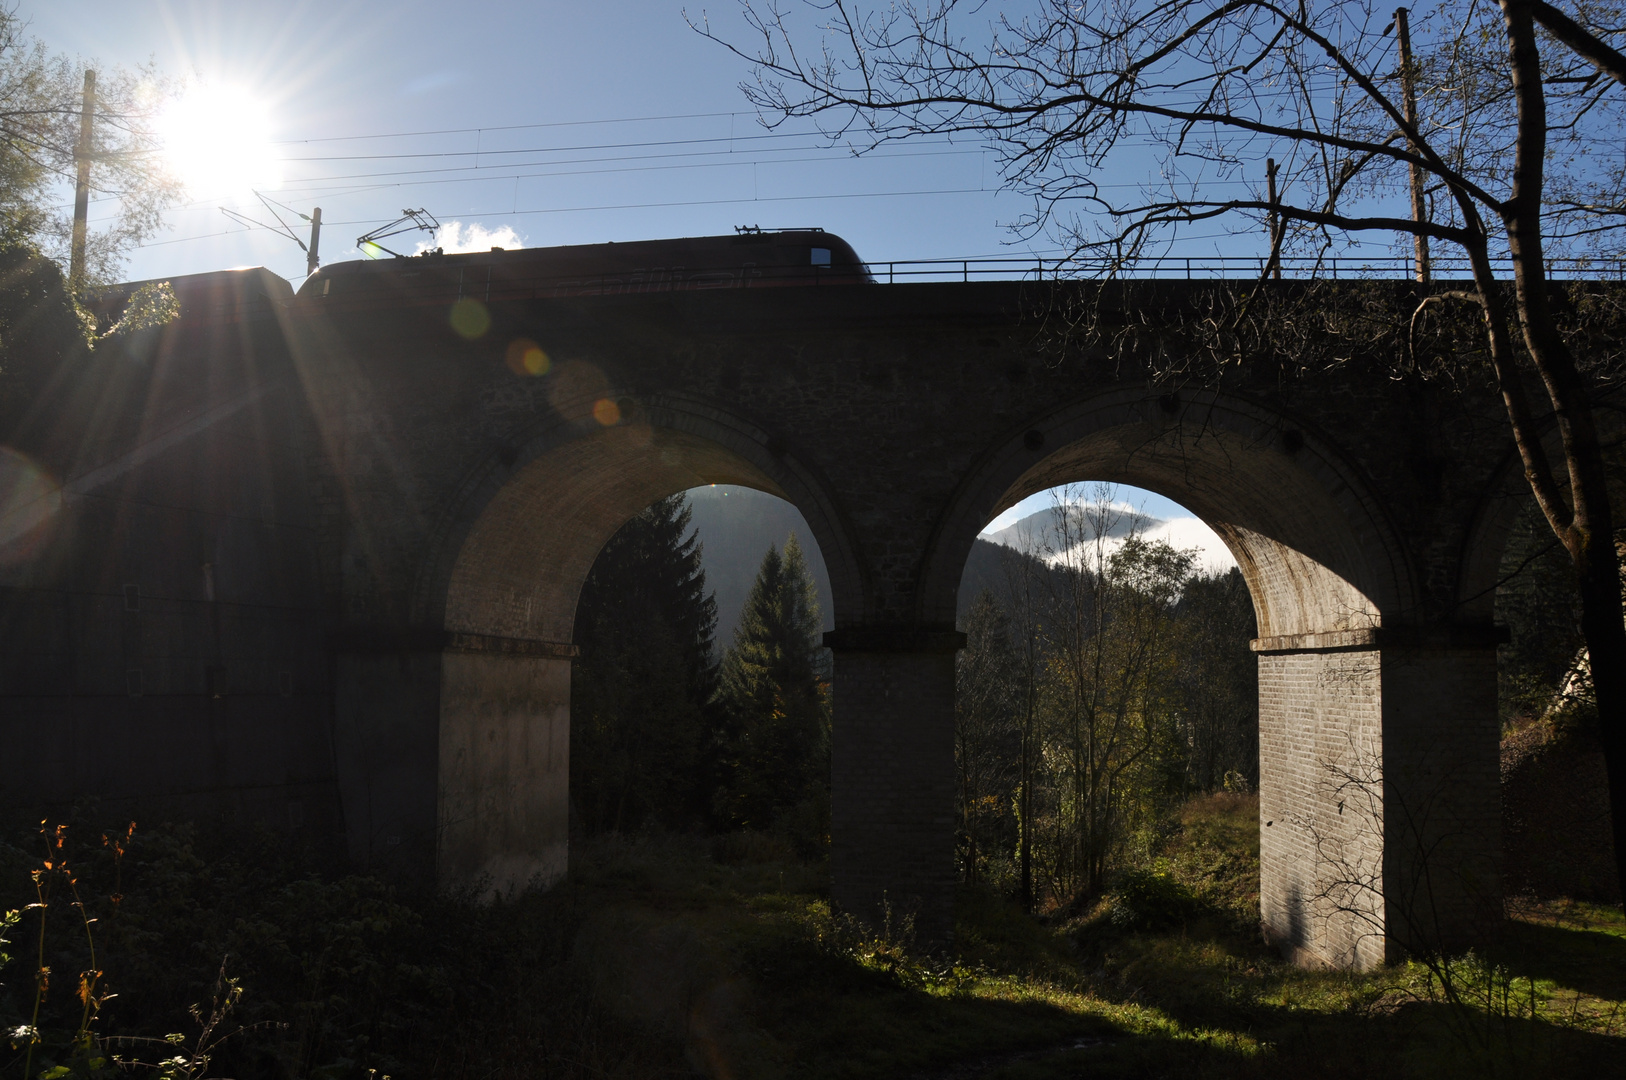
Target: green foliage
[(890, 951), (988, 712), (1150, 900), (1219, 683), (641, 689), (1538, 602), (774, 702), (47, 339), (1117, 682), (42, 329), (324, 976), (40, 103), (152, 305), (655, 959)]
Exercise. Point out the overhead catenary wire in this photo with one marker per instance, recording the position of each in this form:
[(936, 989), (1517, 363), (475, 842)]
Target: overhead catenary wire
[(619, 206), (511, 127), (812, 142), (481, 164), (325, 185)]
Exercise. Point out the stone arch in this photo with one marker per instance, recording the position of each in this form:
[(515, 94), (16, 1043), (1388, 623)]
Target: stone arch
[(1507, 496), (1318, 553), (458, 743), (1349, 691), (493, 572)]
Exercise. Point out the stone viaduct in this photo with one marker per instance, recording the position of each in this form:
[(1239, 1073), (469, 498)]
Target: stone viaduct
[(319, 565)]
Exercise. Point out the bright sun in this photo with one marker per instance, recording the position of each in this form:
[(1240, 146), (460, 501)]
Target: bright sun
[(217, 140)]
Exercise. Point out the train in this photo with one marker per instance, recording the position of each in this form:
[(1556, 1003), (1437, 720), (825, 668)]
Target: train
[(750, 259)]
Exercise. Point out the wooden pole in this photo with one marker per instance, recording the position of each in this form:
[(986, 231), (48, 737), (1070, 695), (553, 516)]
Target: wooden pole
[(1275, 266), (81, 188), (312, 260), (1408, 91)]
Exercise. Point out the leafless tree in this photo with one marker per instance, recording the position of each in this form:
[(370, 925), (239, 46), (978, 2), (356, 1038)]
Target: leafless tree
[(1113, 663), (1026, 594), (1128, 122)]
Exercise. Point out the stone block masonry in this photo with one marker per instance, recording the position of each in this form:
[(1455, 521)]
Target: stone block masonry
[(892, 788), (354, 540), (1378, 801)]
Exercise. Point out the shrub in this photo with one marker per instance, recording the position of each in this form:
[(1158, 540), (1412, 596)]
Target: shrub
[(1150, 900)]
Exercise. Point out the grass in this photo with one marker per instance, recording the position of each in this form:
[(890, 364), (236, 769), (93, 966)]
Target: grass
[(797, 994), (683, 956)]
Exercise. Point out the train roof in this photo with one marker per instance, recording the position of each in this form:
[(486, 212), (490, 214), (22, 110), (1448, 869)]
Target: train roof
[(694, 252)]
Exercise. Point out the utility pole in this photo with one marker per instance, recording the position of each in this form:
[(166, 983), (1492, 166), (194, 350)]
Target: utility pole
[(81, 188), (1275, 267), (1408, 92), (312, 260)]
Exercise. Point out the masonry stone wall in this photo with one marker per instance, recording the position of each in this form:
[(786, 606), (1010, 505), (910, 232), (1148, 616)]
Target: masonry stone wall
[(1321, 806), (163, 629), (892, 785), (398, 521), (1443, 825), (1379, 803), (386, 743), (503, 776)]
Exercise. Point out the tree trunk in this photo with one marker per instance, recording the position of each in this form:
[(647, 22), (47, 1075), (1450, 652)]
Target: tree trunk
[(1024, 842), (1585, 525), (1599, 583)]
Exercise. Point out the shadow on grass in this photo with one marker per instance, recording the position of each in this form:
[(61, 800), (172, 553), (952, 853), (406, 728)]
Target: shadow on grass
[(1588, 960), (1206, 976), (1453, 1042), (842, 1021)]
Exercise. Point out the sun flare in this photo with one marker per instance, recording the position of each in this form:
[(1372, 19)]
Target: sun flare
[(217, 142)]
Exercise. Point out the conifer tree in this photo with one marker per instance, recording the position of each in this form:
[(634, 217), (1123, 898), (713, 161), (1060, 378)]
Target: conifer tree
[(640, 690), (989, 693), (774, 702)]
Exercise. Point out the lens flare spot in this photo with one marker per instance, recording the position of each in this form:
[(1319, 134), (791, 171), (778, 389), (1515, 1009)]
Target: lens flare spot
[(470, 319), (574, 386), (525, 357), (606, 412), (29, 501)]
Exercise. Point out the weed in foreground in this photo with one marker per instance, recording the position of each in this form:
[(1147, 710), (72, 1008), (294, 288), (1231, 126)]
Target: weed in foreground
[(678, 956)]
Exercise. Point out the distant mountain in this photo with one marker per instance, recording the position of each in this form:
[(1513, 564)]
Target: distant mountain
[(737, 525), (1037, 532), (997, 568)]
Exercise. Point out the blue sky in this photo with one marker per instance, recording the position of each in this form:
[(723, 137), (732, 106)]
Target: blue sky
[(648, 134), (563, 122), (1177, 525)]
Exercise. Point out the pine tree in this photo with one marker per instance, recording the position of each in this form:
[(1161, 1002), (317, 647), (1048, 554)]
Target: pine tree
[(774, 699), (988, 698), (641, 688)]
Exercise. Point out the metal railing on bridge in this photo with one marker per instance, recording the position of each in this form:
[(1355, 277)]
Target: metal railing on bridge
[(1221, 267)]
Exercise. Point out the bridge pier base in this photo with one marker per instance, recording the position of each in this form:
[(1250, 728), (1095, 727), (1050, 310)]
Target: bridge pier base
[(385, 748), (503, 798), (1379, 797), (454, 763), (892, 778)]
